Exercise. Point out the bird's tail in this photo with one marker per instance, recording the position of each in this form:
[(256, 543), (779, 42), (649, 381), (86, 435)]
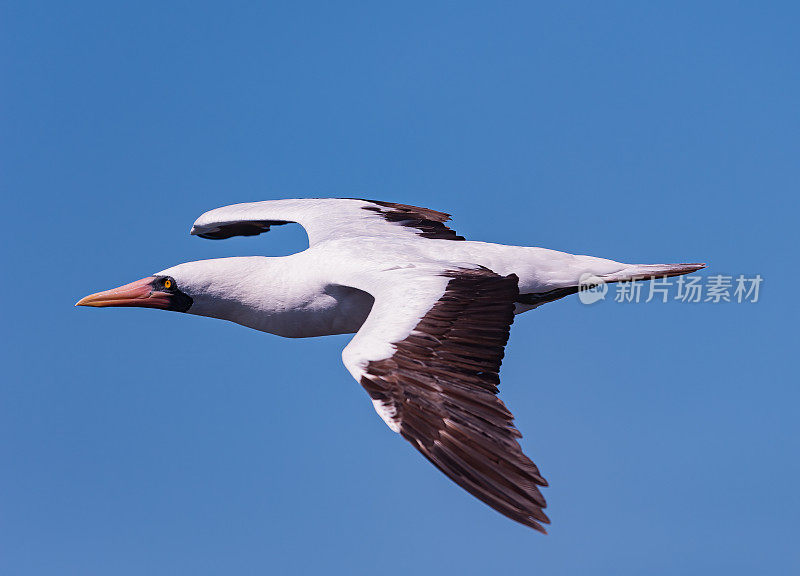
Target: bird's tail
[(648, 271), (579, 273)]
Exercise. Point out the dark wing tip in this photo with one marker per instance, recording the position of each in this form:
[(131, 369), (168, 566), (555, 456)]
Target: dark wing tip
[(538, 527), (418, 211), (441, 383), (429, 223), (221, 231)]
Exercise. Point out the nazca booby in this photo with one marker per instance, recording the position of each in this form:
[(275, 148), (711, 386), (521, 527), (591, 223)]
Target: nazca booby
[(431, 313)]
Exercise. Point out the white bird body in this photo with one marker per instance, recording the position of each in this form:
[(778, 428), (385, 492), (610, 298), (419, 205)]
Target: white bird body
[(320, 291), (431, 312), (289, 296)]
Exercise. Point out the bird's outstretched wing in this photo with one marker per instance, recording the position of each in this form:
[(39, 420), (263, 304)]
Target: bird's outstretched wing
[(326, 219), (429, 355)]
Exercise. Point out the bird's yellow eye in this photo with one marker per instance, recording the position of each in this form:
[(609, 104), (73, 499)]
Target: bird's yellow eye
[(167, 283)]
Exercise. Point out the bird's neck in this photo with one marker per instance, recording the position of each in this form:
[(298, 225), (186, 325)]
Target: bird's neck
[(281, 296)]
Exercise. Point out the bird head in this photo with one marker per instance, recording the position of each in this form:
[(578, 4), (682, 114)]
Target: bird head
[(216, 288), (161, 291)]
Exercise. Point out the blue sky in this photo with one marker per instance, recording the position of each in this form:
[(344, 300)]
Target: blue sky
[(138, 441)]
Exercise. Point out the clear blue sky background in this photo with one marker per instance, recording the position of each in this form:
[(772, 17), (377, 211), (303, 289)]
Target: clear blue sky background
[(144, 442)]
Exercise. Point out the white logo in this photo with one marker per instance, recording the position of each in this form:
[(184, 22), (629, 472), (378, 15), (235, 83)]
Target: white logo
[(591, 289)]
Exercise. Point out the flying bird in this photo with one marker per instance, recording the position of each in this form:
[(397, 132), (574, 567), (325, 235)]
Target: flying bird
[(431, 313)]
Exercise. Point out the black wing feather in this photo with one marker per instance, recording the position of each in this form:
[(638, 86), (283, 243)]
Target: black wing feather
[(441, 385)]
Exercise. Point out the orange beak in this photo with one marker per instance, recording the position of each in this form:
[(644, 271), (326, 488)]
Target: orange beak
[(141, 293)]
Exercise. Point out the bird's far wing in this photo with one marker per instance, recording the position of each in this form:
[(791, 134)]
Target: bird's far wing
[(325, 219), (429, 355)]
